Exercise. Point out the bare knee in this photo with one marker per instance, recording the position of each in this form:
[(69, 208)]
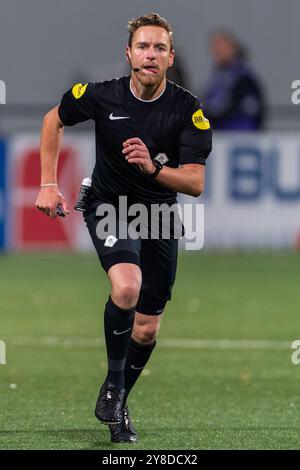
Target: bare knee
[(145, 333), (126, 283), (125, 295)]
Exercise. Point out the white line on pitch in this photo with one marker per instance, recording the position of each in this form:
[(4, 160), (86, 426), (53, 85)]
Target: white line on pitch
[(181, 343)]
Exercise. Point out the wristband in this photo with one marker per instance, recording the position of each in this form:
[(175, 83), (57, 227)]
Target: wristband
[(158, 167)]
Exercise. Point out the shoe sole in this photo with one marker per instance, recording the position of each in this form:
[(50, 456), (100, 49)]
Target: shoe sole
[(109, 422), (103, 421), (124, 442)]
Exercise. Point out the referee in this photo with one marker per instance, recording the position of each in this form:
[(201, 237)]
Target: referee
[(152, 140)]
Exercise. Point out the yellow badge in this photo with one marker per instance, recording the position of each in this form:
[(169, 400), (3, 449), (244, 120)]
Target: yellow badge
[(200, 121), (78, 90)]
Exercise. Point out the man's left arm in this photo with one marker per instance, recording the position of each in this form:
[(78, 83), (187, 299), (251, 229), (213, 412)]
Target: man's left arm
[(187, 179), (195, 143)]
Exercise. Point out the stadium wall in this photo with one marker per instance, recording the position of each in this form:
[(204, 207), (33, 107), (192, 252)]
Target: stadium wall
[(43, 53)]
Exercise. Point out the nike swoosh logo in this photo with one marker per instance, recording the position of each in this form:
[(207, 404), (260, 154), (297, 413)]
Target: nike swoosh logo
[(113, 118), (121, 332), (136, 368)]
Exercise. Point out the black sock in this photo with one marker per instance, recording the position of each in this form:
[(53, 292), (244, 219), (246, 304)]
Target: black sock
[(118, 323), (137, 357)]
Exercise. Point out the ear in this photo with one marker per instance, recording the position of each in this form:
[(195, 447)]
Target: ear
[(128, 54), (171, 58)]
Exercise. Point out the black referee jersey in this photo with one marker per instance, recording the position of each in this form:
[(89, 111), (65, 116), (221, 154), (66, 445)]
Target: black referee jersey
[(173, 125)]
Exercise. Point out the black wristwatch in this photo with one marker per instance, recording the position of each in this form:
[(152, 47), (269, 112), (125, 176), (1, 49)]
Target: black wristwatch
[(158, 167)]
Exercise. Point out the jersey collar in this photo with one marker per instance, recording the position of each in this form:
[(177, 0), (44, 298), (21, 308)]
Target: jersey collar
[(146, 101)]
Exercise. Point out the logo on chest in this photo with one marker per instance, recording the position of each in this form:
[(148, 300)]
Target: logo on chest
[(161, 158), (114, 118)]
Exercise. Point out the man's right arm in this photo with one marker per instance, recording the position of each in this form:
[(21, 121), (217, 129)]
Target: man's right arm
[(77, 105), (49, 196)]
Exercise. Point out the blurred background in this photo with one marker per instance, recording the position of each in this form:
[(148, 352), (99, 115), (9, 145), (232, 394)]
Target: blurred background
[(239, 58), (235, 309)]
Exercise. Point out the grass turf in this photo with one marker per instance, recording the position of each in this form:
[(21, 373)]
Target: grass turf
[(188, 398)]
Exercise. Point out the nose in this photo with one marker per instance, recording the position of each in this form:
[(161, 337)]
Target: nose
[(151, 53)]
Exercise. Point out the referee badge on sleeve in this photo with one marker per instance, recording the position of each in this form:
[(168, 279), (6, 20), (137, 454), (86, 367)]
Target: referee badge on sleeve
[(78, 90), (200, 121)]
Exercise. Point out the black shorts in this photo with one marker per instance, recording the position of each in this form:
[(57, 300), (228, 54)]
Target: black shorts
[(157, 259)]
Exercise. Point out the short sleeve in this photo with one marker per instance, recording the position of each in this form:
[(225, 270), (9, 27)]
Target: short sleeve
[(78, 104), (195, 139)]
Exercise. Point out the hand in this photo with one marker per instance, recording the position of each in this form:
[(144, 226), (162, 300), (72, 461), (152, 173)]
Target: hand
[(48, 199), (136, 152)]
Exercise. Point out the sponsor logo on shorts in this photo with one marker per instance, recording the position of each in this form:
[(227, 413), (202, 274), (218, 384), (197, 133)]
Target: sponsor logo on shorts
[(110, 241), (159, 221)]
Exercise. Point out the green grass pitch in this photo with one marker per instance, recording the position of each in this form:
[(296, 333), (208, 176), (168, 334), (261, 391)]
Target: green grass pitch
[(241, 394)]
